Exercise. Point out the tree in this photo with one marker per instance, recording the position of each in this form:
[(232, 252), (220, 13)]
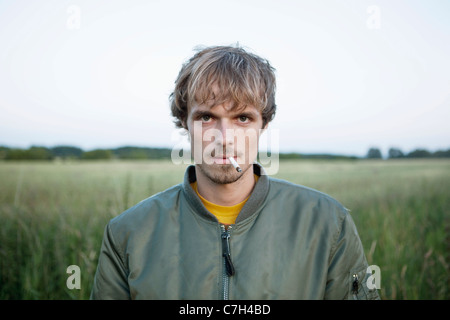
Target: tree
[(97, 154), (419, 153), (66, 152), (16, 154), (3, 152), (33, 153), (395, 153), (442, 154), (39, 153), (374, 153)]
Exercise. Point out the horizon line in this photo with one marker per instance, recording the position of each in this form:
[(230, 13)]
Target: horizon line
[(170, 148)]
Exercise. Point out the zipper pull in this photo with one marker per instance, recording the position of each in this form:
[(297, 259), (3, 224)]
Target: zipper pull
[(226, 253), (355, 284)]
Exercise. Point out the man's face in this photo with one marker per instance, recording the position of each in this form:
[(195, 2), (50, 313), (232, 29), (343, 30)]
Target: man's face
[(219, 132)]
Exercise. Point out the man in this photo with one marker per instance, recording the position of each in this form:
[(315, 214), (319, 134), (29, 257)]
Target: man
[(224, 233)]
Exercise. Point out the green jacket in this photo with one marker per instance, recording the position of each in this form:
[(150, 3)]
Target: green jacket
[(288, 242)]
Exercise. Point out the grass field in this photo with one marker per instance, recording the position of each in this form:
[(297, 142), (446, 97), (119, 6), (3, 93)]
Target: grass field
[(53, 215)]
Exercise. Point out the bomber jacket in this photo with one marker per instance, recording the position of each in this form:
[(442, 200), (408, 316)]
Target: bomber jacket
[(288, 242)]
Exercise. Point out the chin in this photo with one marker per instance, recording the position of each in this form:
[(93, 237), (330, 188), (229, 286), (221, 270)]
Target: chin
[(219, 173)]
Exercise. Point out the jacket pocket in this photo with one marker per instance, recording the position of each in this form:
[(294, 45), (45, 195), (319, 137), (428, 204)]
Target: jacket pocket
[(358, 289)]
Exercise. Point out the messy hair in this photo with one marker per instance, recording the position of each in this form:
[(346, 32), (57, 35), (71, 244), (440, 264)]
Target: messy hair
[(219, 74)]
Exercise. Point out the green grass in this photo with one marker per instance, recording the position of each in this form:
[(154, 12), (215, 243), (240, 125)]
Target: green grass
[(53, 214)]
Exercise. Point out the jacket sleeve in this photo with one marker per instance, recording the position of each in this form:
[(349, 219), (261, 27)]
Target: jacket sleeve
[(348, 271), (110, 282)]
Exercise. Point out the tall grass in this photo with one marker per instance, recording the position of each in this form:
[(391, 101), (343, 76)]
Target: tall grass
[(52, 215), (402, 212)]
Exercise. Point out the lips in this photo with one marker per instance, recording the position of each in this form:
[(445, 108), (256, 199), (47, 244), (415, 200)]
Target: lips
[(222, 159), (225, 157)]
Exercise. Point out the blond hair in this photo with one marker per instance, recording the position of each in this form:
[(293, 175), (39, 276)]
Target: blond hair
[(219, 74)]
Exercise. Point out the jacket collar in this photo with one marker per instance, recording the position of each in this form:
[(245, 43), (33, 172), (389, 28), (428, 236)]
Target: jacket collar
[(255, 200)]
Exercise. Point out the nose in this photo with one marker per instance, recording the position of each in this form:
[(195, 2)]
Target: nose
[(227, 132)]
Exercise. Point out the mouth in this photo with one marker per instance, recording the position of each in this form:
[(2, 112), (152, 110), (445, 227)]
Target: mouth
[(223, 159)]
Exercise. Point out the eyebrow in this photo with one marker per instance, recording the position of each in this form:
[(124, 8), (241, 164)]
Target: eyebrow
[(200, 113), (248, 114)]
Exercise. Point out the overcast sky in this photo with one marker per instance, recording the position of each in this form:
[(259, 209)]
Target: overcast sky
[(351, 74)]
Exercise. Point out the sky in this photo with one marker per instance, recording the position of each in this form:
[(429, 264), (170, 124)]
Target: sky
[(351, 74)]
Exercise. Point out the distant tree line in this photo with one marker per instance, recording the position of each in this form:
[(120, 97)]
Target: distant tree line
[(130, 152), (75, 153), (395, 153), (294, 155)]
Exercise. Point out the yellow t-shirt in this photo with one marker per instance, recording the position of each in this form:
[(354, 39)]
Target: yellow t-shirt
[(225, 214)]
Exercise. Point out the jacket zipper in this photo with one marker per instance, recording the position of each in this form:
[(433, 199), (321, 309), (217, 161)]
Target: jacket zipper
[(228, 268), (355, 286)]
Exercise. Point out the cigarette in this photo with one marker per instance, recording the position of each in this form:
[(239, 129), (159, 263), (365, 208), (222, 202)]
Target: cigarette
[(235, 164)]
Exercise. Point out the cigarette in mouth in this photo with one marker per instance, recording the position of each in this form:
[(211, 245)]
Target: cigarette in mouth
[(235, 164)]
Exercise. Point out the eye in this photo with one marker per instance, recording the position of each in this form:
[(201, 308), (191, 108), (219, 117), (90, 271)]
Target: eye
[(206, 118), (243, 119)]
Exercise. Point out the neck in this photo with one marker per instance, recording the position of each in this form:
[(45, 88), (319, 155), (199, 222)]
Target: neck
[(226, 194)]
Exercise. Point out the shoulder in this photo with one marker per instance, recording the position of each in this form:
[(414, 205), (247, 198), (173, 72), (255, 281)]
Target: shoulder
[(147, 211), (303, 192), (307, 200)]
